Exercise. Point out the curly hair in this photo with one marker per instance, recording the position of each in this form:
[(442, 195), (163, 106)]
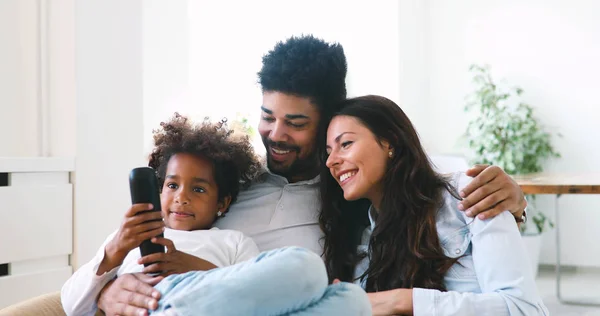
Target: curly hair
[(235, 163), (306, 66)]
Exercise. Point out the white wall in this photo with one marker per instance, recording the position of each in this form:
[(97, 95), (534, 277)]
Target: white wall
[(21, 111), (166, 64), (18, 78), (61, 78), (550, 49), (414, 58), (109, 58)]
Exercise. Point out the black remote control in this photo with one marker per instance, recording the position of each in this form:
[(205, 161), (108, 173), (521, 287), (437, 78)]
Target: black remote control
[(143, 186)]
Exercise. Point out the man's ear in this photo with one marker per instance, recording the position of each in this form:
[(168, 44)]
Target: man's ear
[(223, 205)]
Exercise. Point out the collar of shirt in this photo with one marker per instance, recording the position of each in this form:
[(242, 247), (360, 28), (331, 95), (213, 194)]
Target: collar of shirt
[(266, 174), (372, 216)]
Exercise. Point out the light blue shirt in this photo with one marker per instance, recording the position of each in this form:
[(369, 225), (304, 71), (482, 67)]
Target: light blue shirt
[(276, 213), (493, 276)]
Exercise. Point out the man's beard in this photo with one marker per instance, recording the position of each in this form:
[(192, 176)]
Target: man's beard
[(299, 169)]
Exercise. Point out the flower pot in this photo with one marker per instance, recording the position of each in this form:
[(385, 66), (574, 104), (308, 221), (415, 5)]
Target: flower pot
[(533, 246)]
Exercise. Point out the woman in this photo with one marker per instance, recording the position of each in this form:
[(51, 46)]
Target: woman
[(413, 251)]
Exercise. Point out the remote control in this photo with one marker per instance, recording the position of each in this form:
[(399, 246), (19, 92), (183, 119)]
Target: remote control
[(143, 186)]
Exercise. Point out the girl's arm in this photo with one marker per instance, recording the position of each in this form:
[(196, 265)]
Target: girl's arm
[(78, 295)]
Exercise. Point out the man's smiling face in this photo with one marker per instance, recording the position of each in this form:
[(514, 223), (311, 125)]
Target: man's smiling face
[(288, 128)]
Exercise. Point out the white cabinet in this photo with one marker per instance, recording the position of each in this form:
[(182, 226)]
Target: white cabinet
[(36, 226)]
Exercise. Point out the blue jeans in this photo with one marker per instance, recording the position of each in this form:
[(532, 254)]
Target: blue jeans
[(287, 281)]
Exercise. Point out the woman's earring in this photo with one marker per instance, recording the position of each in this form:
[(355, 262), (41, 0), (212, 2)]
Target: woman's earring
[(390, 154), (219, 213)]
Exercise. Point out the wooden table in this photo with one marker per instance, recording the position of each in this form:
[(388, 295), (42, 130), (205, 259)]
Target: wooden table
[(559, 184)]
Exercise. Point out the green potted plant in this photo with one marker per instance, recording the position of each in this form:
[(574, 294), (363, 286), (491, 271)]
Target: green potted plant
[(503, 131)]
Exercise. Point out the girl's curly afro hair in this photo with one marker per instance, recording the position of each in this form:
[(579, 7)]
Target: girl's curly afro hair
[(235, 163)]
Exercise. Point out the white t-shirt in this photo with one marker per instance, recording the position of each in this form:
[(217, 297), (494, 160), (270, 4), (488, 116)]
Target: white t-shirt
[(220, 247)]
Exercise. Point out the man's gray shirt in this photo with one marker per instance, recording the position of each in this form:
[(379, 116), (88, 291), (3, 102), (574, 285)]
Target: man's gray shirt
[(276, 213)]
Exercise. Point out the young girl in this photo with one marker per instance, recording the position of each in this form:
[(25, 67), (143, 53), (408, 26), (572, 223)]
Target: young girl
[(200, 169)]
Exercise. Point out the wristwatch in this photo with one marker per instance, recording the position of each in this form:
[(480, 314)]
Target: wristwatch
[(523, 218)]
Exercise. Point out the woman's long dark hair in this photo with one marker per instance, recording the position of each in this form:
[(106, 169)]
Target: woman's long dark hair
[(404, 249)]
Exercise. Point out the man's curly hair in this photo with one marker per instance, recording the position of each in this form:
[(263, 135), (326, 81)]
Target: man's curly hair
[(234, 161), (306, 66)]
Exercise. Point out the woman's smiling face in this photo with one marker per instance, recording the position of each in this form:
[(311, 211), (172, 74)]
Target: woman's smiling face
[(357, 159)]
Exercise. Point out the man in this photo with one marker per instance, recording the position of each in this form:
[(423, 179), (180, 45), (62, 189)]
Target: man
[(301, 79)]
